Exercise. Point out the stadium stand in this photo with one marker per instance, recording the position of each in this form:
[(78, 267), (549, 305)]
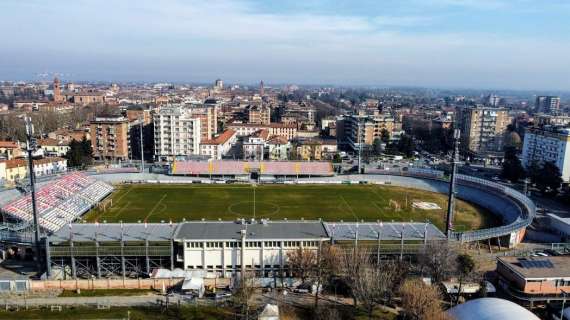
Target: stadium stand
[(60, 202), (240, 168)]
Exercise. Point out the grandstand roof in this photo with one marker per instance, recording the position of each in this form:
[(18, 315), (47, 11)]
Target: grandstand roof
[(106, 232), (388, 231), (222, 230)]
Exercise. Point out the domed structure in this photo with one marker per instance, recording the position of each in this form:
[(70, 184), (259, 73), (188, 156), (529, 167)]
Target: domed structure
[(490, 309), (512, 139)]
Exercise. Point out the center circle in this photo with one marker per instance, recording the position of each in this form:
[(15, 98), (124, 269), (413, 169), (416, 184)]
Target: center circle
[(245, 209)]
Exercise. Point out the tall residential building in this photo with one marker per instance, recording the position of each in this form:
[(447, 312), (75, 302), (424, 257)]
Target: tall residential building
[(219, 84), (483, 129), (259, 114), (208, 114), (547, 104), (176, 133), (494, 100), (110, 138), (369, 127), (548, 144), (261, 89)]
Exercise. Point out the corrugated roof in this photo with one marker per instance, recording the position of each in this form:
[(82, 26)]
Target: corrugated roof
[(388, 231), (107, 232), (224, 230)]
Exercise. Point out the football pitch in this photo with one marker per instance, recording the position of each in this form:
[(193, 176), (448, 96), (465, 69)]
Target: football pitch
[(156, 203)]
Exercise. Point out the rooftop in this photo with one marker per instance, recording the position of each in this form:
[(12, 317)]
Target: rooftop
[(106, 232), (9, 144), (538, 268), (223, 230), (222, 138), (388, 231)]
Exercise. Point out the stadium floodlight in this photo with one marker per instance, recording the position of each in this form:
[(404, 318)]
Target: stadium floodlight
[(451, 196), (31, 146)]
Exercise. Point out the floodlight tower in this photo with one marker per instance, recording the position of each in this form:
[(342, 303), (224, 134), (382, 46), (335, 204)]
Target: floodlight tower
[(359, 147), (141, 122), (30, 148), (451, 199)]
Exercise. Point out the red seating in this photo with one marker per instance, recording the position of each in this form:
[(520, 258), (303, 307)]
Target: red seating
[(276, 168)]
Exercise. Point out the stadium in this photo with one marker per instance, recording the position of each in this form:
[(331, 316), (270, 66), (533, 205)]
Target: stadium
[(210, 216)]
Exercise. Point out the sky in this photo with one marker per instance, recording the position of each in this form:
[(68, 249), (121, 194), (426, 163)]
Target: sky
[(502, 44)]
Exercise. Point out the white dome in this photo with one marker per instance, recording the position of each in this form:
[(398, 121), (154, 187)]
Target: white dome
[(490, 309)]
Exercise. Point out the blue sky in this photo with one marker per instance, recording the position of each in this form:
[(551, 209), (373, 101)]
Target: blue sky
[(520, 44)]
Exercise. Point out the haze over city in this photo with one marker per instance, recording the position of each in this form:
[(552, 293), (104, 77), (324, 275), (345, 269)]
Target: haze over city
[(492, 44)]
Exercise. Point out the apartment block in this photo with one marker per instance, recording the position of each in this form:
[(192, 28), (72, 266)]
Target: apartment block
[(548, 144), (177, 133), (364, 129), (483, 129), (110, 138), (547, 104)]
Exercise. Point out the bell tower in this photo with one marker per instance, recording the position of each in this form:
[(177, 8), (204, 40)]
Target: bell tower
[(57, 97)]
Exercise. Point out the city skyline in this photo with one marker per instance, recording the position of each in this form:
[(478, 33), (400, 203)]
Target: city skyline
[(439, 43)]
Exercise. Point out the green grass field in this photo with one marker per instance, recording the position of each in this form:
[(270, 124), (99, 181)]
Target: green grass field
[(155, 203)]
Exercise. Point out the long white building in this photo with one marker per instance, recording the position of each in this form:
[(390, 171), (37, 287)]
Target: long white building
[(548, 144), (223, 247), (176, 133)]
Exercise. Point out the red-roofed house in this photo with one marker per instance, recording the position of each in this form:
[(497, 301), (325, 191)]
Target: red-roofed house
[(217, 147), (9, 150)]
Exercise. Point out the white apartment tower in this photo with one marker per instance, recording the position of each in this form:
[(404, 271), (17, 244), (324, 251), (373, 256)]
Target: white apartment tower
[(176, 133), (548, 144)]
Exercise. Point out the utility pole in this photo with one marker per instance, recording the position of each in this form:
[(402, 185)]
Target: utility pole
[(141, 121), (30, 147), (451, 200)]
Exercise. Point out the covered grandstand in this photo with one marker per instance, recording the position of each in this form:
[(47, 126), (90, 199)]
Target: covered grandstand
[(244, 169), (59, 202)]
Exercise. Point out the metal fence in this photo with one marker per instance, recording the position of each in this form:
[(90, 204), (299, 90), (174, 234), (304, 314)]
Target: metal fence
[(527, 212)]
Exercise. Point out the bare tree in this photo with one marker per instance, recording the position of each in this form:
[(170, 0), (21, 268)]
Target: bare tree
[(243, 293), (421, 301), (328, 258), (438, 259), (352, 263), (371, 284), (302, 262)]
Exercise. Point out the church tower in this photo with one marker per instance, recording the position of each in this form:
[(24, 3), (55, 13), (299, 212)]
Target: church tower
[(57, 97)]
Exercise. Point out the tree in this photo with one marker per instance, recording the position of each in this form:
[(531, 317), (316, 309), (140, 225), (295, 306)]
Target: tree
[(465, 266), (80, 153), (548, 178), (377, 146), (438, 259), (328, 258), (512, 166), (385, 135), (421, 301), (302, 262), (406, 145), (244, 292)]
